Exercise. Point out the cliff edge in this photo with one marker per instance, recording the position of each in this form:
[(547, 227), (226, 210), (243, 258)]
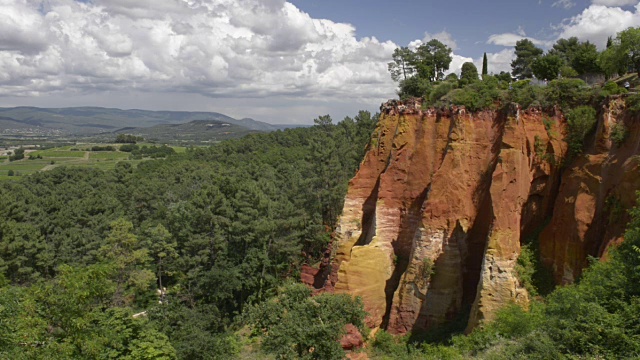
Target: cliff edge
[(433, 221)]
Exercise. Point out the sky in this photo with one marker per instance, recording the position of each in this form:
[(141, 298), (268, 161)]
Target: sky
[(283, 62)]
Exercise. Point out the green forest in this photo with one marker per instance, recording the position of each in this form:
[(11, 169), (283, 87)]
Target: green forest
[(84, 253)]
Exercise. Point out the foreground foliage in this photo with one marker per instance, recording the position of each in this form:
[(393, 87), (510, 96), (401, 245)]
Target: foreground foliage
[(296, 326)]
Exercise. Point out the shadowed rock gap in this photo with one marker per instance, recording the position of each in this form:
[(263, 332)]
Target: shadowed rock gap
[(476, 245), (402, 250), (369, 217)]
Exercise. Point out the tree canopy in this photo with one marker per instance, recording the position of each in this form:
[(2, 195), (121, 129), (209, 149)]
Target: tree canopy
[(526, 52), (416, 70)]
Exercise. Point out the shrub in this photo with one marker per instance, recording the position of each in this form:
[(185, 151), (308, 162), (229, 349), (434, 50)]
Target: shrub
[(440, 90), (619, 134), (539, 147), (295, 325), (103, 148), (633, 103), (414, 87), (568, 93), (10, 173), (129, 147), (568, 72), (581, 121), (477, 96), (526, 94)]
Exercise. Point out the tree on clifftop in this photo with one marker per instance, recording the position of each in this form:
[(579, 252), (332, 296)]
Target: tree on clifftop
[(526, 53), (484, 65), (402, 66), (628, 47), (622, 54), (547, 67), (468, 74), (432, 60), (416, 70)]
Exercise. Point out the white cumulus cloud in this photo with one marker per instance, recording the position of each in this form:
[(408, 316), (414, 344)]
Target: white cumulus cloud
[(219, 49), (510, 39), (597, 22)]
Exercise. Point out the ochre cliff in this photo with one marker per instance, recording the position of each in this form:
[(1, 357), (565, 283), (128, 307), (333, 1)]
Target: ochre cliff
[(596, 190), (434, 219)]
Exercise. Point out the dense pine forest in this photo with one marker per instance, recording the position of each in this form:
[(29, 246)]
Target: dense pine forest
[(159, 261)]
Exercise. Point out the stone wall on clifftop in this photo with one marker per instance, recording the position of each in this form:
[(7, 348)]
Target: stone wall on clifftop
[(434, 219)]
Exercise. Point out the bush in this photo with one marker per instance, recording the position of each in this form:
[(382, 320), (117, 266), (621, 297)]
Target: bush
[(10, 173), (295, 325), (440, 90), (581, 121), (414, 87), (619, 134), (18, 154), (633, 103), (477, 96), (129, 147), (103, 148), (568, 93), (524, 93)]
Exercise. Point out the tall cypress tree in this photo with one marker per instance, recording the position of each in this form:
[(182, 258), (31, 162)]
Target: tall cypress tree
[(609, 42), (484, 65)]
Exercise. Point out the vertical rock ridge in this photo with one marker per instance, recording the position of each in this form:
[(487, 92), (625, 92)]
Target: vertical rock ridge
[(434, 220), (590, 211)]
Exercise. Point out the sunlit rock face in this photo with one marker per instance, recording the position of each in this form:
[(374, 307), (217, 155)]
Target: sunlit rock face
[(433, 221)]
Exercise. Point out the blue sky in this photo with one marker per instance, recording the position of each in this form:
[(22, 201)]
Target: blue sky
[(469, 22), (273, 60)]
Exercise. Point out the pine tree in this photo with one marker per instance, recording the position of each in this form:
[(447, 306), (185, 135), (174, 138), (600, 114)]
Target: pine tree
[(609, 42), (484, 65)]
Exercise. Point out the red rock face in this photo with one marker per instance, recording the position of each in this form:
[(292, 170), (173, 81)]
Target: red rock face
[(433, 220), (597, 189), (352, 339)]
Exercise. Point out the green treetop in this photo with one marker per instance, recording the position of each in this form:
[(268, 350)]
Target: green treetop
[(484, 65), (526, 53)]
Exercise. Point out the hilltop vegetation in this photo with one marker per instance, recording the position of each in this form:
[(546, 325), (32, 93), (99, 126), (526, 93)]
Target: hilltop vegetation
[(420, 73)]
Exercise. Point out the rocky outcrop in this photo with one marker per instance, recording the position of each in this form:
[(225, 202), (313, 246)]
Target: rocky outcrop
[(352, 339), (596, 190), (434, 219)]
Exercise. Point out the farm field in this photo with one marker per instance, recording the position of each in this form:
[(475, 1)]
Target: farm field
[(78, 156)]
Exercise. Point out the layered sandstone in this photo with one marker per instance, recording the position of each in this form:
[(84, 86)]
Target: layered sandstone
[(434, 219)]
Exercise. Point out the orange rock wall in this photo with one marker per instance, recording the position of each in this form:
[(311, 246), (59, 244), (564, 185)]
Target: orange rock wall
[(596, 190), (434, 219)]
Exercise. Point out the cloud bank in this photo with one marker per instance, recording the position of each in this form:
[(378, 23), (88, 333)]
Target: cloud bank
[(218, 49)]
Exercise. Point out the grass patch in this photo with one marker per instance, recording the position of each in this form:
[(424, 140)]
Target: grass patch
[(108, 155), (58, 153)]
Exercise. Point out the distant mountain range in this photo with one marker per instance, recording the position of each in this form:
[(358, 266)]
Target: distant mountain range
[(193, 132), (94, 120)]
